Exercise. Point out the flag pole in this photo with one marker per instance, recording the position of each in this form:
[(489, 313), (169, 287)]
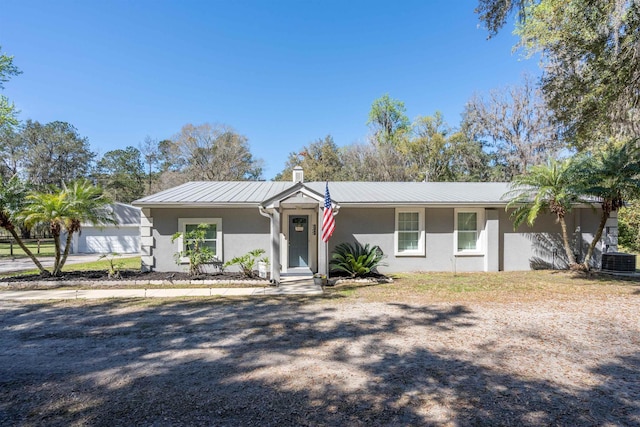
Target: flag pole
[(326, 257), (328, 225)]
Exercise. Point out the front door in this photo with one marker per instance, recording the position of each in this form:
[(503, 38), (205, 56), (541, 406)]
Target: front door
[(298, 241)]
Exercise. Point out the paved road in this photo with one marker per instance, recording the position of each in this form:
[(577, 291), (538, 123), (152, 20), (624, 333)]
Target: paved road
[(9, 265)]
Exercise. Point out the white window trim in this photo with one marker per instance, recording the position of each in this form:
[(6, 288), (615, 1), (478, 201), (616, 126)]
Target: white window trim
[(480, 245), (182, 223), (421, 236)]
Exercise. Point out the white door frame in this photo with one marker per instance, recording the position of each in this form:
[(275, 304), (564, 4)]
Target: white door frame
[(312, 237)]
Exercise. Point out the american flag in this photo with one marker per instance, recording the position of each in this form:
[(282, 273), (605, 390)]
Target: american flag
[(328, 223)]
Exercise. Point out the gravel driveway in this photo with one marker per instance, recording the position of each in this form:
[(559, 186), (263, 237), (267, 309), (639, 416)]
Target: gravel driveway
[(280, 362)]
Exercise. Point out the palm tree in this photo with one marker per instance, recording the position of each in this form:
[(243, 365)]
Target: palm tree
[(64, 211), (612, 176), (546, 188), (12, 197), (88, 205)]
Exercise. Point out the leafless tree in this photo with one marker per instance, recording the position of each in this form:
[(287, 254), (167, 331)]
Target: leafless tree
[(516, 126)]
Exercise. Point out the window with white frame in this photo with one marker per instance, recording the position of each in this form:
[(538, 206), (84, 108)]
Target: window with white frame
[(213, 237), (409, 232), (468, 230)]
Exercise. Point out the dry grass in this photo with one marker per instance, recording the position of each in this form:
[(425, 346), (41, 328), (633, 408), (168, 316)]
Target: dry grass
[(333, 361), (488, 287)]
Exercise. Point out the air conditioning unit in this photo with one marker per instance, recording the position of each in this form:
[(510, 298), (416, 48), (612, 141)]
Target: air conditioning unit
[(618, 262)]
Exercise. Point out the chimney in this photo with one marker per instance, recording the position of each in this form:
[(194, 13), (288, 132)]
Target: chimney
[(298, 174)]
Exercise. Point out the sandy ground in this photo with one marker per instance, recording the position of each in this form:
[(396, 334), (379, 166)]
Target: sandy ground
[(281, 362)]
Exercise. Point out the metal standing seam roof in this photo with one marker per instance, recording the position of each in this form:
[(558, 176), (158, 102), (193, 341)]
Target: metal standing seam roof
[(344, 193)]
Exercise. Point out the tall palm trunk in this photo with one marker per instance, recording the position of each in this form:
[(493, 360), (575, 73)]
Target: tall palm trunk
[(11, 228), (565, 241), (66, 251), (603, 221), (56, 242)]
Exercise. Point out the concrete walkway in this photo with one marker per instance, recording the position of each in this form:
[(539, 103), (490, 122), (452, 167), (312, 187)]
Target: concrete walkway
[(289, 286)]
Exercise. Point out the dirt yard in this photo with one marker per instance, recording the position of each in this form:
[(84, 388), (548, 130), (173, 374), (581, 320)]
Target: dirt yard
[(321, 362)]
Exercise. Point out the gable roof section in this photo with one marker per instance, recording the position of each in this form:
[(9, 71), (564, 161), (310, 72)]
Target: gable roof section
[(254, 193), (215, 192), (294, 191)]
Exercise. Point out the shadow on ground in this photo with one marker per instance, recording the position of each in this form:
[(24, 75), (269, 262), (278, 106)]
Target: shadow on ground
[(272, 362)]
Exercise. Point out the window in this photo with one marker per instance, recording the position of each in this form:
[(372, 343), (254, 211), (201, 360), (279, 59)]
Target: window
[(468, 230), (213, 237), (409, 232)]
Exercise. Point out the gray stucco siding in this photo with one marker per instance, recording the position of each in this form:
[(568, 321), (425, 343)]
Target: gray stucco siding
[(540, 245), (589, 221), (376, 226), (243, 229)]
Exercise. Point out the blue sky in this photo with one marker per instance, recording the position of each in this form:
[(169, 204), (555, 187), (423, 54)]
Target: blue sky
[(282, 73)]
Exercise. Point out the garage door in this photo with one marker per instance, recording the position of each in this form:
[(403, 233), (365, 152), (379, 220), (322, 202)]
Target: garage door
[(123, 241)]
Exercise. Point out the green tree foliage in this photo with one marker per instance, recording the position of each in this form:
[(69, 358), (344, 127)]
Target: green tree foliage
[(494, 13), (428, 150), (589, 52), (612, 175), (7, 108), (436, 152), (11, 152), (546, 188), (54, 153), (64, 211), (467, 159), (388, 120), (320, 160), (121, 174), (629, 226), (356, 260), (13, 193)]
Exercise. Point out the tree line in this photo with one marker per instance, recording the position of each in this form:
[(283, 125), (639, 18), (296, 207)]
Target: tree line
[(501, 134), (48, 155)]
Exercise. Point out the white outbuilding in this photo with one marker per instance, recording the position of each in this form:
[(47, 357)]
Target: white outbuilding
[(122, 237)]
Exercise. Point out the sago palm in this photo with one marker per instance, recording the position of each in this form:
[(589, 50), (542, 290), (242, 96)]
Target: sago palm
[(355, 259), (546, 188)]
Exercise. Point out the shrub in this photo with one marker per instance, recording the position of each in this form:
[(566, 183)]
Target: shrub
[(196, 251), (629, 226), (247, 262), (355, 259), (113, 270)]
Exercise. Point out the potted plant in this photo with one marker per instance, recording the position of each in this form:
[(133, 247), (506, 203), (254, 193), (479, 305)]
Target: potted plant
[(320, 279)]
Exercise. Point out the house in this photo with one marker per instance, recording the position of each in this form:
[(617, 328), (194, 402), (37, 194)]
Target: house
[(420, 226), (123, 237)]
